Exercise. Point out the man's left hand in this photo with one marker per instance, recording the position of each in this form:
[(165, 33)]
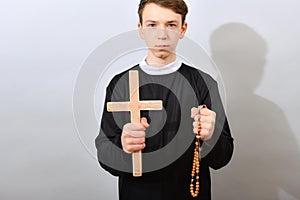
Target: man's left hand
[(207, 119)]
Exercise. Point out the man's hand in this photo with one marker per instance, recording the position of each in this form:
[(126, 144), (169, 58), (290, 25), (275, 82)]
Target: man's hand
[(207, 119), (133, 136)]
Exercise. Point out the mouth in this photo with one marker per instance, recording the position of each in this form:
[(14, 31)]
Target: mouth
[(162, 46)]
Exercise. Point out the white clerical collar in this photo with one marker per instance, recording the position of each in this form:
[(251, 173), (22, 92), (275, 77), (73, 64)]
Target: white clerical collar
[(167, 69)]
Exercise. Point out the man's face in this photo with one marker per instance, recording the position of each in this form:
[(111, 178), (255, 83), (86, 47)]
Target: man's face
[(161, 28)]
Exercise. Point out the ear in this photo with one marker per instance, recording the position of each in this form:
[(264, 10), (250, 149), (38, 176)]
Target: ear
[(140, 27), (183, 30)]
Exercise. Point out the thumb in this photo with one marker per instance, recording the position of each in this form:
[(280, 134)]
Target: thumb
[(144, 122)]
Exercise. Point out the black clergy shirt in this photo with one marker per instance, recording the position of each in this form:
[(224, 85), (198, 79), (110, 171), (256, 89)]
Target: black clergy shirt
[(166, 174)]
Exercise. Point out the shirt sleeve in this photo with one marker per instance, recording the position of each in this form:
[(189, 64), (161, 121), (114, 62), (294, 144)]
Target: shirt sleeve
[(219, 149), (110, 155)]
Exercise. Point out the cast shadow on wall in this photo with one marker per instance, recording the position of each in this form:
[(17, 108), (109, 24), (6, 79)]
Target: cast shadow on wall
[(266, 159)]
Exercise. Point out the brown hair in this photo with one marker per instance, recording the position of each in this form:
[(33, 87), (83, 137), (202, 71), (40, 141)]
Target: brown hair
[(178, 6)]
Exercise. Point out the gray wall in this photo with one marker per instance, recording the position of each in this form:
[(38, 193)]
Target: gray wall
[(44, 43)]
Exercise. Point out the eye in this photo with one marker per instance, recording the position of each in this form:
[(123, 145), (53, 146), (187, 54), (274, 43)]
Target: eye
[(151, 25), (171, 25)]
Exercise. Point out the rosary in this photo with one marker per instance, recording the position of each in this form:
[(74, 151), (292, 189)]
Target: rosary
[(196, 161)]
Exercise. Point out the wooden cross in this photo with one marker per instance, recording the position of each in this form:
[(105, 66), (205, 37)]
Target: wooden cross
[(135, 106)]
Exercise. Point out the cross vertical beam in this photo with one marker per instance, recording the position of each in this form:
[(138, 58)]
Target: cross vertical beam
[(134, 106)]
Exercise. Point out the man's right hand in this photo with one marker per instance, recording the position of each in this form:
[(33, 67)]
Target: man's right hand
[(134, 135)]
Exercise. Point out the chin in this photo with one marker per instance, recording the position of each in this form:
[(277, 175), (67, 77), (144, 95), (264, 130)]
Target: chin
[(162, 54)]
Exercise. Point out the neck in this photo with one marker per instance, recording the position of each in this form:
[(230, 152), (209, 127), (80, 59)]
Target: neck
[(161, 60)]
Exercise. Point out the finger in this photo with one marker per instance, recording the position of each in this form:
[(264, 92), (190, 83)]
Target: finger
[(205, 112), (144, 122), (194, 111), (195, 124), (134, 127), (134, 148), (204, 132), (134, 141), (207, 119), (195, 130), (197, 117), (205, 125), (136, 134)]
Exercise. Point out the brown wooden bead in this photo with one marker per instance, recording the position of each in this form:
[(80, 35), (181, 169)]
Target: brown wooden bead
[(195, 184)]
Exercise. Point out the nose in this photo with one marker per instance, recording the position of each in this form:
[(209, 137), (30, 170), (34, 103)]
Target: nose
[(162, 33)]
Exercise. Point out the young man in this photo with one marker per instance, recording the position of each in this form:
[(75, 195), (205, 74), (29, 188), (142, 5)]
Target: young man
[(163, 77)]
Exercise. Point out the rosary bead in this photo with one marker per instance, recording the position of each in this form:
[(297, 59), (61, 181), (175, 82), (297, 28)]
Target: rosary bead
[(196, 165)]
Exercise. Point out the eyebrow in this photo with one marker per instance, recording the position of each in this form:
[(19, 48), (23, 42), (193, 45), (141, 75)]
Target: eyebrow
[(150, 21), (169, 22)]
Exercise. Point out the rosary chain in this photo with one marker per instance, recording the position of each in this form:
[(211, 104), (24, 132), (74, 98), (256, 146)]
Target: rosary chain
[(195, 183)]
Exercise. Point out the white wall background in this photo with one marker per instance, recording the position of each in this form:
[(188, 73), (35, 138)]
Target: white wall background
[(44, 43)]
